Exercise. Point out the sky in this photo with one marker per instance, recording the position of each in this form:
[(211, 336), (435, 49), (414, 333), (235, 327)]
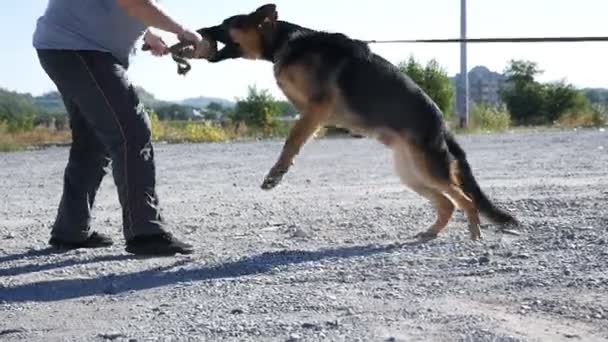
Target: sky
[(583, 64)]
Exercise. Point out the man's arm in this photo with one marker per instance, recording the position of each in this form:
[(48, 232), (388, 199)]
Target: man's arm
[(148, 12)]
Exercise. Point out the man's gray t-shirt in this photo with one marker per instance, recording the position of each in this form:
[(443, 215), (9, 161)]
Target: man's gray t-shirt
[(98, 25)]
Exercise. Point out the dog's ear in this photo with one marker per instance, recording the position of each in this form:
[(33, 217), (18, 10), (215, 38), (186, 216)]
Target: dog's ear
[(266, 16)]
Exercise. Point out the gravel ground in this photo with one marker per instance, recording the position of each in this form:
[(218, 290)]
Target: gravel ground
[(328, 255)]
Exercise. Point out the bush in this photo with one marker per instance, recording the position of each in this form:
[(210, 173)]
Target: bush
[(595, 116), (489, 118), (563, 99), (156, 126), (204, 132), (14, 141), (258, 110), (176, 131), (16, 111), (526, 102), (7, 142)]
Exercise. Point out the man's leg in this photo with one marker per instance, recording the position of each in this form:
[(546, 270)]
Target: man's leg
[(82, 177), (108, 102)]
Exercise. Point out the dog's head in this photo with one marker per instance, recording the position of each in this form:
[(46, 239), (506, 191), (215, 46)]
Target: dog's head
[(244, 35)]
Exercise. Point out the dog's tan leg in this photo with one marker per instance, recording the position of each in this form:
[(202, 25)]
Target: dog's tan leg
[(444, 206), (470, 210), (303, 129), (410, 177)]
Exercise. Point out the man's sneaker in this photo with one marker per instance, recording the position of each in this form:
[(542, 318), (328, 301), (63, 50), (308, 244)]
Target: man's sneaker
[(95, 240), (159, 244)]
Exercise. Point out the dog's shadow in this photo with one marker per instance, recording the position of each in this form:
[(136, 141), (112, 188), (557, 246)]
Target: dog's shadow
[(62, 289)]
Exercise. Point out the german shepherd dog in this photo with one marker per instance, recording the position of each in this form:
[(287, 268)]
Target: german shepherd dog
[(332, 79)]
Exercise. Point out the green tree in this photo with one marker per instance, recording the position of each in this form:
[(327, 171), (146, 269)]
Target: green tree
[(434, 80), (524, 96), (214, 106), (17, 111), (286, 108), (520, 71), (564, 98), (258, 109), (174, 112), (531, 102)]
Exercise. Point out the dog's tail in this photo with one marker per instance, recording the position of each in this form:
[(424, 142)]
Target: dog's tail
[(472, 188)]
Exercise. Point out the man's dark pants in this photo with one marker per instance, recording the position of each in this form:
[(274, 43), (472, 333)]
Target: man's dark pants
[(108, 123)]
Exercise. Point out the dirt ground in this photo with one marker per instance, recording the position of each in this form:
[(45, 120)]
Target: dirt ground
[(328, 255)]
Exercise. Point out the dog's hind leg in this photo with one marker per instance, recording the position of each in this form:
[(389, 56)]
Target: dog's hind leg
[(437, 171), (408, 174), (444, 206)]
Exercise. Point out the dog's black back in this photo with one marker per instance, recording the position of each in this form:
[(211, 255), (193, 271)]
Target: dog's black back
[(371, 86)]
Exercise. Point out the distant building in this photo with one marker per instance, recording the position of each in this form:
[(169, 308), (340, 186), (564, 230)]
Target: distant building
[(484, 85)]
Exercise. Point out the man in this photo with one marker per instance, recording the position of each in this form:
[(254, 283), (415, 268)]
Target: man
[(84, 46)]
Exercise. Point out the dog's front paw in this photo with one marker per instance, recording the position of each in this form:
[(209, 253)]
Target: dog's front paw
[(273, 179)]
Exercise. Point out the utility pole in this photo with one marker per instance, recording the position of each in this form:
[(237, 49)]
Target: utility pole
[(464, 75)]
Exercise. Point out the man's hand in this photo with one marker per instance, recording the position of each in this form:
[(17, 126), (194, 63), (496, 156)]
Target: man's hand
[(156, 44), (148, 12), (202, 47)]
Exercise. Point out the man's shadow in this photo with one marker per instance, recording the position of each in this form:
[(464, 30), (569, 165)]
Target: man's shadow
[(55, 290), (36, 267)]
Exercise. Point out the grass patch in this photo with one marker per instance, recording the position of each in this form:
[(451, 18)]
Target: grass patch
[(483, 119), (207, 132), (191, 132), (486, 118), (590, 117), (7, 144), (40, 136)]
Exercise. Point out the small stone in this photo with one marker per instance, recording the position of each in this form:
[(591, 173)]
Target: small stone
[(237, 312), (483, 260), (294, 338), (511, 232), (300, 233), (309, 326), (111, 336), (332, 324)]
